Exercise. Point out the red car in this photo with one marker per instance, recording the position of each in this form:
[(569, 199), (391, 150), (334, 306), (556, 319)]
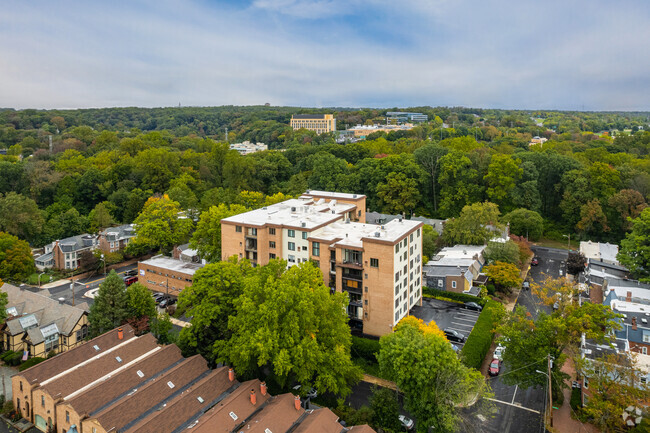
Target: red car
[(535, 261), (130, 280), (495, 367)]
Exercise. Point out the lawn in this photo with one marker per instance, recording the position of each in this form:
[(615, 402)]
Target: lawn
[(48, 277), (550, 243)]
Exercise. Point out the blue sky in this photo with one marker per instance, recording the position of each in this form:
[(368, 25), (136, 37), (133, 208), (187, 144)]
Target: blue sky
[(574, 54)]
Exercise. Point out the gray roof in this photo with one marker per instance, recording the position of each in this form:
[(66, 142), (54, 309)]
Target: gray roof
[(442, 271), (118, 233), (76, 243), (379, 218), (45, 258), (44, 311)]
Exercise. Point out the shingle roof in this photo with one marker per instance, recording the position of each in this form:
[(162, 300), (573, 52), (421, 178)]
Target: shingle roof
[(76, 243), (278, 415), (320, 421), (66, 360), (103, 393), (124, 231), (46, 311)]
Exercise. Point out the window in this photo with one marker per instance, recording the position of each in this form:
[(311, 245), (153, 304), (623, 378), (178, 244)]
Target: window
[(396, 248), (291, 233), (365, 302), (646, 337), (359, 213), (43, 400), (316, 263), (411, 237), (292, 246), (272, 231), (291, 259), (366, 289), (453, 284), (585, 383), (396, 303), (272, 244), (238, 229), (418, 232), (315, 249), (644, 350), (21, 386), (374, 263), (405, 269), (304, 235), (439, 283), (396, 276), (271, 256), (67, 416)]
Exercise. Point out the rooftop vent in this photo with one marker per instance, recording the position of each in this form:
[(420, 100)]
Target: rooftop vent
[(200, 399), (140, 373), (303, 224), (170, 384), (377, 234), (354, 196), (96, 347), (293, 208), (118, 359), (644, 320)]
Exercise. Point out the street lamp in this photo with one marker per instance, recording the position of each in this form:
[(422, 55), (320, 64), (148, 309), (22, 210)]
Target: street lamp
[(104, 260), (569, 242), (550, 396), (39, 279)]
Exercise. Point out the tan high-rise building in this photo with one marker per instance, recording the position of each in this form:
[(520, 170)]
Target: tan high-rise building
[(379, 266), (319, 123)]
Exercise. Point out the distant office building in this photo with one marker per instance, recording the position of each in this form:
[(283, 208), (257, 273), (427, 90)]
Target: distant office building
[(319, 123), (246, 147), (403, 117), (362, 131)]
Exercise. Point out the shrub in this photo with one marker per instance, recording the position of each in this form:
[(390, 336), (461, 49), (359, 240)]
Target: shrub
[(8, 407), (14, 359), (491, 289), (453, 296), (480, 339), (30, 363), (50, 354), (365, 348), (576, 398), (6, 355)]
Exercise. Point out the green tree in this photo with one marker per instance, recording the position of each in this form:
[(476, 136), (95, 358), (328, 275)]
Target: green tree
[(4, 299), (140, 303), (502, 176), (504, 275), (593, 220), (288, 321), (626, 205), (110, 308), (524, 222), (635, 248), (459, 183), (160, 226), (428, 156), (16, 260), (474, 226), (20, 216), (161, 327), (429, 242), (207, 237), (398, 194), (100, 217), (210, 301), (507, 252), (420, 360), (385, 410)]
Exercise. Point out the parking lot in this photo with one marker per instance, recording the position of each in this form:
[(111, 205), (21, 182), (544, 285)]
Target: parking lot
[(447, 315)]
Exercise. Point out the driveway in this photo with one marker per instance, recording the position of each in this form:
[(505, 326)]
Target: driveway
[(447, 315)]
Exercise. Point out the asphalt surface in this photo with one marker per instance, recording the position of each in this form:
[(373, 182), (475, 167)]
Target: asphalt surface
[(522, 410), (447, 315)]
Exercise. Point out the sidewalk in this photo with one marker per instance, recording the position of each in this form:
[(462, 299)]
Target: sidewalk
[(562, 420), (378, 381), (180, 323)]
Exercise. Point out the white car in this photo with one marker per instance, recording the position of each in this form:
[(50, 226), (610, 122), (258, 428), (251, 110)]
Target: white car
[(312, 393), (406, 422), (498, 352)]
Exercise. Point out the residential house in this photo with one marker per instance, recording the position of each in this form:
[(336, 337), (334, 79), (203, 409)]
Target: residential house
[(598, 251), (456, 269), (186, 254), (116, 238), (37, 324), (67, 254), (633, 303)]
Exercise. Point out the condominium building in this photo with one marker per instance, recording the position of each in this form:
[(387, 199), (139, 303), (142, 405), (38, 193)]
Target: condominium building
[(166, 274), (319, 123), (379, 266)]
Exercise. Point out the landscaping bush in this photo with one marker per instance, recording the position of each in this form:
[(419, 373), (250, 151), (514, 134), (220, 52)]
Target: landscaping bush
[(459, 297), (14, 359), (576, 400), (8, 407), (30, 363), (480, 339), (365, 348), (6, 355)]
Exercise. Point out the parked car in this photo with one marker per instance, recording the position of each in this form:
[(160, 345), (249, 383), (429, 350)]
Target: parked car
[(498, 352), (526, 285), (453, 335), (312, 393), (131, 273), (406, 422), (164, 302), (495, 367), (473, 306), (534, 262), (130, 280)]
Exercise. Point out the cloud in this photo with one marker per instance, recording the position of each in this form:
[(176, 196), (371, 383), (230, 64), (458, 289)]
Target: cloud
[(325, 53)]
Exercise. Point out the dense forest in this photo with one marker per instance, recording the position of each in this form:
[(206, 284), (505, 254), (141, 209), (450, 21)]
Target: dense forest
[(103, 164)]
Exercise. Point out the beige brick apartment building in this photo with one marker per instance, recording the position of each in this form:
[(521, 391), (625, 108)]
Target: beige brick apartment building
[(319, 123), (379, 266), (166, 274)]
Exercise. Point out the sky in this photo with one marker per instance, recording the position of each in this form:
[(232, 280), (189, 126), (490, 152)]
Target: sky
[(521, 54)]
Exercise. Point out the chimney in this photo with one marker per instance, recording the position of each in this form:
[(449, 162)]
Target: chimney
[(628, 298), (231, 375), (634, 323), (120, 334), (253, 397), (296, 402), (263, 388)]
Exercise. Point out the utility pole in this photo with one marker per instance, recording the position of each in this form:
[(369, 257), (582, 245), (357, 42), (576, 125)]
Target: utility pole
[(550, 394)]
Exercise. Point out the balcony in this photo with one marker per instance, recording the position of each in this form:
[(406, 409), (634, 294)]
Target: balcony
[(353, 274), (350, 264), (251, 244)]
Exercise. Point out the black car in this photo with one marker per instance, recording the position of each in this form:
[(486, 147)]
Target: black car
[(473, 306), (454, 335)]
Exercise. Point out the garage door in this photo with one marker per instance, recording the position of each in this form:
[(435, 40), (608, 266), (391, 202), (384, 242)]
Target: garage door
[(40, 423)]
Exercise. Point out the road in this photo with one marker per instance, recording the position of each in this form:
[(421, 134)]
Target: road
[(522, 410)]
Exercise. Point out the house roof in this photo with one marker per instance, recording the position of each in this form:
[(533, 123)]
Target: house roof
[(119, 233), (36, 313), (320, 421), (106, 392), (44, 258), (599, 251), (77, 243), (70, 358), (171, 264), (278, 415)]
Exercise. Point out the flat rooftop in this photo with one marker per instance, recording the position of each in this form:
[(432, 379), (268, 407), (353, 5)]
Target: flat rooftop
[(332, 195), (352, 234), (173, 264), (461, 251)]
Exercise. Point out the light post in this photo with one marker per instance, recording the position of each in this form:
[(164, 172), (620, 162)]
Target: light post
[(550, 394), (39, 279), (569, 241), (104, 260)]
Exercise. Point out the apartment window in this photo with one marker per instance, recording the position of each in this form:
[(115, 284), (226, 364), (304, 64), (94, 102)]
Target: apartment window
[(271, 244), (292, 246), (396, 248), (396, 316), (453, 284), (21, 386), (396, 303), (366, 289), (585, 383), (304, 235), (251, 231), (271, 256), (272, 231), (365, 302), (411, 237), (396, 276), (333, 255), (67, 416), (359, 214), (396, 290), (238, 229), (418, 232), (405, 269), (291, 259), (411, 250), (374, 263), (411, 264), (316, 263), (315, 249), (291, 233), (646, 338), (43, 400)]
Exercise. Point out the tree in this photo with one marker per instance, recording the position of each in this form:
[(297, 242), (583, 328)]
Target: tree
[(110, 308), (472, 227), (160, 226), (398, 194), (428, 156), (210, 301), (502, 176), (615, 383), (627, 204), (420, 360), (635, 248), (20, 216), (100, 217), (385, 410), (16, 260), (207, 237), (507, 252), (592, 219), (429, 242), (140, 303), (459, 183), (524, 222), (575, 263), (288, 321), (504, 275), (4, 299), (161, 327)]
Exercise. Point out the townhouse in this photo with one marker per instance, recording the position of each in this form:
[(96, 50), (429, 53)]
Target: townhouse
[(67, 254), (456, 269), (115, 238)]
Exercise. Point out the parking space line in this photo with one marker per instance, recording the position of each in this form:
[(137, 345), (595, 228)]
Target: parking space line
[(468, 320), (513, 405), (513, 395), (467, 325), (467, 315)]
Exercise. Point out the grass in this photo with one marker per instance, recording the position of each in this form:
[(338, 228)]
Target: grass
[(33, 278), (371, 368), (550, 243)]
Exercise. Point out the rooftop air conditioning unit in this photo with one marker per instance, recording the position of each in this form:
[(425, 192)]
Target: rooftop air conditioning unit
[(377, 234), (303, 224)]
